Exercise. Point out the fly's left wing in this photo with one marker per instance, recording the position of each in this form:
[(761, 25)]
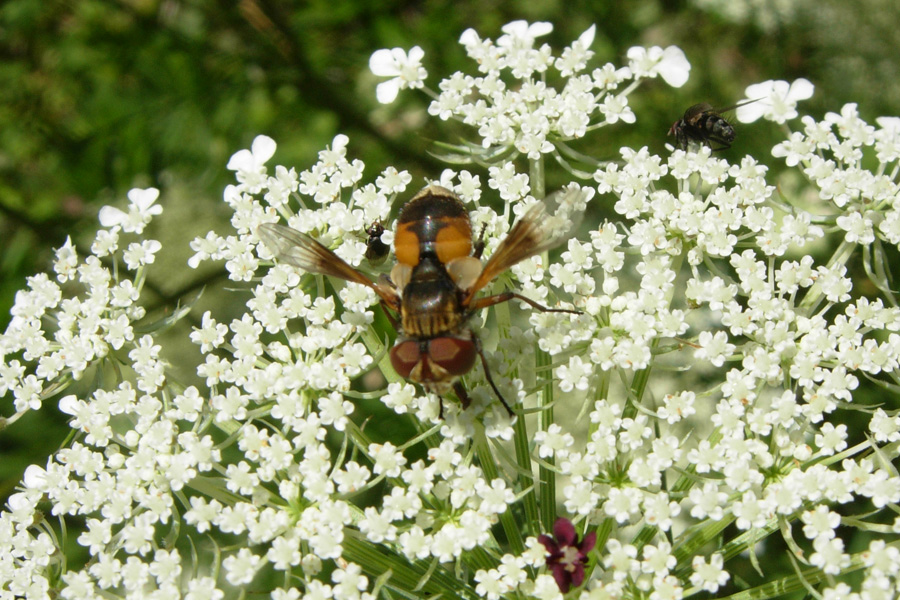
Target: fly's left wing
[(692, 114), (300, 250), (534, 233)]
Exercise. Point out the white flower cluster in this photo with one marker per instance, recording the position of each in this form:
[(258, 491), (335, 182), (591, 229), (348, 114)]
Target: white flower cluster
[(59, 337), (797, 338), (527, 113), (83, 321), (716, 356), (831, 154), (289, 358)]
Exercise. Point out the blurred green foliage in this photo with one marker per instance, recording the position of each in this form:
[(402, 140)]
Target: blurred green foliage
[(97, 97)]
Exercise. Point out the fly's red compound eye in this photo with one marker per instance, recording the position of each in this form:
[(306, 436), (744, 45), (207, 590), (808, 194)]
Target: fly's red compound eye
[(454, 355), (405, 356)]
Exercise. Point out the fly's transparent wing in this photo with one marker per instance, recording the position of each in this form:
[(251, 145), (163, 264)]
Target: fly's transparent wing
[(300, 250), (538, 230)]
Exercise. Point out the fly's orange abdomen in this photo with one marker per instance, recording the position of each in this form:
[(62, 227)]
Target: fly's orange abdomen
[(434, 222)]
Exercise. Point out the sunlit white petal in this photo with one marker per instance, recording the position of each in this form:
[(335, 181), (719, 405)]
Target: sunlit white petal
[(674, 67)]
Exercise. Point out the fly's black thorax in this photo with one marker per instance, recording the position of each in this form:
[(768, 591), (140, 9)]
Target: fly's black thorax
[(430, 305)]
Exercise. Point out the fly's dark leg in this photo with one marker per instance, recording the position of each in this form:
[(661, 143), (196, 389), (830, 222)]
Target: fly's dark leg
[(487, 375), (394, 323), (479, 245), (507, 296), (460, 392), (681, 138)]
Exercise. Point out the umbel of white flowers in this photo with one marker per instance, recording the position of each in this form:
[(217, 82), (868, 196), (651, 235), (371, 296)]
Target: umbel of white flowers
[(720, 345)]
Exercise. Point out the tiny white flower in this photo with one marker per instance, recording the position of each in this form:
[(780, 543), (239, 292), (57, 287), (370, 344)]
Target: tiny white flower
[(406, 71), (658, 560), (829, 555), (545, 588), (820, 522), (494, 497), (714, 348), (388, 459), (575, 57), (885, 428), (553, 441), (621, 559), (250, 165), (138, 255), (622, 504), (522, 34), (490, 584), (774, 100), (36, 477), (671, 64), (240, 568), (392, 181), (141, 210), (574, 375), (710, 575)]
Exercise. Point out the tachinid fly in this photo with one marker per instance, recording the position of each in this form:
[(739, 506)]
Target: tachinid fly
[(431, 293)]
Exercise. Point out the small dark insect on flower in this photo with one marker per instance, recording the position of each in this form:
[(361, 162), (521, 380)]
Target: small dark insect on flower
[(376, 250), (704, 124), (566, 555)]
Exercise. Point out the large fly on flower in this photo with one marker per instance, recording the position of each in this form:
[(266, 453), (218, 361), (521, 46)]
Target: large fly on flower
[(433, 287), (704, 124)]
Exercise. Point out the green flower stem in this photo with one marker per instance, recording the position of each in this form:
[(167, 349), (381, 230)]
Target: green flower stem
[(526, 479), (874, 262), (61, 541), (406, 578), (853, 450), (748, 539), (427, 437), (638, 386), (604, 530), (479, 558), (601, 393), (521, 438), (547, 477), (642, 377), (489, 466), (360, 440), (536, 178), (685, 550), (376, 348), (810, 302), (230, 427), (544, 495), (867, 526), (794, 583), (213, 487)]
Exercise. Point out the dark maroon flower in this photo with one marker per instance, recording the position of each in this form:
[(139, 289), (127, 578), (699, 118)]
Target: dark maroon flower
[(567, 556)]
